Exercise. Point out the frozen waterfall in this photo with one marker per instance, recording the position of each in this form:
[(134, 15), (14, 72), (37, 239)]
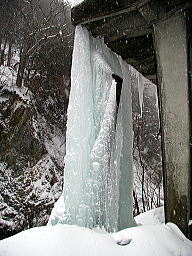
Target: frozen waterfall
[(98, 174)]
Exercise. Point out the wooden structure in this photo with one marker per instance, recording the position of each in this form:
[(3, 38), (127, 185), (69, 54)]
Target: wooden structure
[(156, 38)]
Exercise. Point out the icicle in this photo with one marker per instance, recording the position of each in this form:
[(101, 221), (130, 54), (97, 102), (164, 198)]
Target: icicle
[(141, 82)]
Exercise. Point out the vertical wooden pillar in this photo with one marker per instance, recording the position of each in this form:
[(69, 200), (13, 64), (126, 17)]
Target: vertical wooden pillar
[(171, 54), (189, 37)]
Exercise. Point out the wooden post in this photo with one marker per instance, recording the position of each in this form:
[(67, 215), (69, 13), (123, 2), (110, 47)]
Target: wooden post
[(172, 70), (189, 38)]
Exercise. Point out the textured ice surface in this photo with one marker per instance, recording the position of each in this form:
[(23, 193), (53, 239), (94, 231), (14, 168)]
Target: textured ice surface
[(98, 162)]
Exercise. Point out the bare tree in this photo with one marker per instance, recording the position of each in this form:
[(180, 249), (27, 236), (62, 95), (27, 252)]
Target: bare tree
[(148, 191), (45, 23), (33, 26)]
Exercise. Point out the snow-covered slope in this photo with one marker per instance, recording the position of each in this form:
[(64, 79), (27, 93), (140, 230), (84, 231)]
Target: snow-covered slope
[(32, 139)]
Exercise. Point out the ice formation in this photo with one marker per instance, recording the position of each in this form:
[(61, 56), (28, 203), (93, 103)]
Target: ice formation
[(98, 163), (141, 83)]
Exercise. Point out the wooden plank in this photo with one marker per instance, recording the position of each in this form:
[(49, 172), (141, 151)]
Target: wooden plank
[(115, 24), (128, 33), (91, 11)]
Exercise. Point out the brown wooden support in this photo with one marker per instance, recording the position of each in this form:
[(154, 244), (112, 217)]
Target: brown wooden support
[(171, 54)]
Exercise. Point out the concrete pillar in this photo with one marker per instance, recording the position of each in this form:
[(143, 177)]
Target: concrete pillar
[(171, 55)]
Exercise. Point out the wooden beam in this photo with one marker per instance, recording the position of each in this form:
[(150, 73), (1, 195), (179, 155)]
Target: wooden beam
[(118, 23), (79, 19), (152, 78), (146, 67), (146, 28), (149, 12), (129, 25), (189, 47), (129, 33), (145, 61), (139, 48)]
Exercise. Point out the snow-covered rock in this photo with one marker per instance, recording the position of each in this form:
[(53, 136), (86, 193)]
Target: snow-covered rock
[(32, 139)]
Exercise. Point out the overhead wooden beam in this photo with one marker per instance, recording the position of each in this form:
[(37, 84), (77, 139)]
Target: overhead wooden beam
[(145, 61), (175, 9), (152, 78), (97, 10), (146, 28), (129, 33), (146, 66), (149, 12), (129, 25), (117, 23), (138, 47)]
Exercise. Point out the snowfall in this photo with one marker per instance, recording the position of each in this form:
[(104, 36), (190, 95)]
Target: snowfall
[(150, 237)]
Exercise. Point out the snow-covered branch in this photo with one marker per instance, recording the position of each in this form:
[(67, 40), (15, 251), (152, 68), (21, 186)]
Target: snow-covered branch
[(41, 41)]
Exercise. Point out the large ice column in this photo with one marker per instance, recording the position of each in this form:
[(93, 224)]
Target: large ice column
[(98, 161)]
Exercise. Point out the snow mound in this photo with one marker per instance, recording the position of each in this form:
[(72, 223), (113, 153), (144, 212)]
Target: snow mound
[(57, 215), (154, 216), (147, 240)]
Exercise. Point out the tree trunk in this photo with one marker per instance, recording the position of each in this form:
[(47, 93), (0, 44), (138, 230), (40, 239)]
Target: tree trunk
[(23, 59), (136, 203), (9, 54), (2, 57), (0, 42), (142, 180)]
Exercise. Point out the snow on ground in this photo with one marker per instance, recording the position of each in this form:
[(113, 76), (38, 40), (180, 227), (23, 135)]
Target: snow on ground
[(154, 216), (145, 240), (8, 82), (57, 215), (7, 76)]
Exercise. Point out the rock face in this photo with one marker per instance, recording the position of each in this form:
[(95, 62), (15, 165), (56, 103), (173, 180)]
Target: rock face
[(32, 149)]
